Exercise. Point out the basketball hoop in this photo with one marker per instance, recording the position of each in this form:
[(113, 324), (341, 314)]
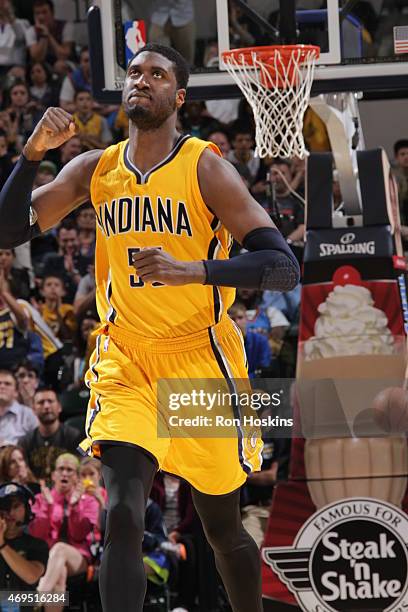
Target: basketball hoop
[(276, 81)]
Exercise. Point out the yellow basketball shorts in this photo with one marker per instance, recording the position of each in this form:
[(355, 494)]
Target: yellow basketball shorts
[(123, 409)]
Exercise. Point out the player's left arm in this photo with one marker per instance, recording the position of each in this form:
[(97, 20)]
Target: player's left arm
[(269, 263)]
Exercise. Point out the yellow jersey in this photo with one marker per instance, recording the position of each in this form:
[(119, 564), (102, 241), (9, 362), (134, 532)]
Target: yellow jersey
[(92, 127), (160, 208), (53, 319)]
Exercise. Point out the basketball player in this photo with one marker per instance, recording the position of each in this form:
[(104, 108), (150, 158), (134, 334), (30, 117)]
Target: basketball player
[(166, 205)]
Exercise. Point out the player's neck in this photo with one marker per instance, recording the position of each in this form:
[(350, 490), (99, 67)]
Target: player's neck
[(149, 147)]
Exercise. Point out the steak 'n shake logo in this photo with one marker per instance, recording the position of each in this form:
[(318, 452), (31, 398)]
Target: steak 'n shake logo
[(351, 555), (347, 246)]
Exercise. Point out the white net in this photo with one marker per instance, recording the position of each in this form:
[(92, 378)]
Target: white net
[(278, 90)]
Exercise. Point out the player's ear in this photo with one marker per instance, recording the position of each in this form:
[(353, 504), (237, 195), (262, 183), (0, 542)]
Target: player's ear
[(180, 97)]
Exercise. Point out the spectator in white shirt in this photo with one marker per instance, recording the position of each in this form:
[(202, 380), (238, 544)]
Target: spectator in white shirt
[(54, 39), (15, 419), (15, 37)]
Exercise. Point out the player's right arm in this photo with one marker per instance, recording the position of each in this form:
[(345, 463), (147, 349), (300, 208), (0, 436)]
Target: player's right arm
[(24, 214)]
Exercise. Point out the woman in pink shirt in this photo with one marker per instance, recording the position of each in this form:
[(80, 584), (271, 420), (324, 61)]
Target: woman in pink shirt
[(64, 518)]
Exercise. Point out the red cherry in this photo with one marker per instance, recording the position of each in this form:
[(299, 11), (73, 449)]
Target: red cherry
[(346, 275)]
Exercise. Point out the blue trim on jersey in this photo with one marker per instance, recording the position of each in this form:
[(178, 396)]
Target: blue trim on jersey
[(216, 291), (143, 178), (235, 406)]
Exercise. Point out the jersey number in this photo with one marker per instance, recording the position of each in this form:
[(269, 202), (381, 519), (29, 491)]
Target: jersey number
[(134, 280), (7, 338)]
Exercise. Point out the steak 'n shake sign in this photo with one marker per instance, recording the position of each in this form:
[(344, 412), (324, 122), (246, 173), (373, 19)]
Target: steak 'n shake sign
[(351, 555)]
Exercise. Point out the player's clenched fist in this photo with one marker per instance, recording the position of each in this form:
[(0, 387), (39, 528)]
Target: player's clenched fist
[(54, 128), (155, 265)]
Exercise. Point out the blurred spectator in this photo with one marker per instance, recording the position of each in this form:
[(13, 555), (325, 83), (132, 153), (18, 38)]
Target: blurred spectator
[(42, 88), (78, 80), (366, 15), (45, 242), (68, 263), (260, 188), (51, 438), (195, 119), (47, 171), (242, 155), (15, 37), (23, 558), (298, 169), (256, 345), (401, 174), (86, 293), (51, 345), (172, 23), (35, 350), (15, 419), (86, 223), (69, 150), (257, 320), (14, 467), (270, 322), (58, 315), (93, 129), (26, 375), (221, 139), (211, 52), (245, 117), (256, 493), (91, 474), (6, 161), (17, 278), (16, 73), (156, 562), (22, 113), (241, 29), (288, 303), (54, 39), (121, 125), (173, 496), (84, 345), (64, 518), (291, 211), (9, 127), (14, 340)]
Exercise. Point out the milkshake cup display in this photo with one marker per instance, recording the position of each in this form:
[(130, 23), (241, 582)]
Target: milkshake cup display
[(349, 324), (335, 469)]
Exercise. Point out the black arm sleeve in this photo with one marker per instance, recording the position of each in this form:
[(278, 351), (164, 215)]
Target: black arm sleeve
[(17, 224), (270, 264)]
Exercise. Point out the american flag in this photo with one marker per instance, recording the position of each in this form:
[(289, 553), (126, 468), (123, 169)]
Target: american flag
[(401, 39)]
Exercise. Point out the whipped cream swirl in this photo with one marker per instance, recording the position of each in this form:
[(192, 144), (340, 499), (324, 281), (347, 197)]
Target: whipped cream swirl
[(349, 324)]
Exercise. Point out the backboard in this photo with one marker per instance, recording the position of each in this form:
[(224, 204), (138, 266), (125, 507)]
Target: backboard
[(364, 44)]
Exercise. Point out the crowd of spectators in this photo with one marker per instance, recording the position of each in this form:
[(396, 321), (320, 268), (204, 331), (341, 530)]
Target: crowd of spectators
[(56, 511)]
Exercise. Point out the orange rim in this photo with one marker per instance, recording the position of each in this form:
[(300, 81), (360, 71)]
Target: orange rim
[(268, 54)]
